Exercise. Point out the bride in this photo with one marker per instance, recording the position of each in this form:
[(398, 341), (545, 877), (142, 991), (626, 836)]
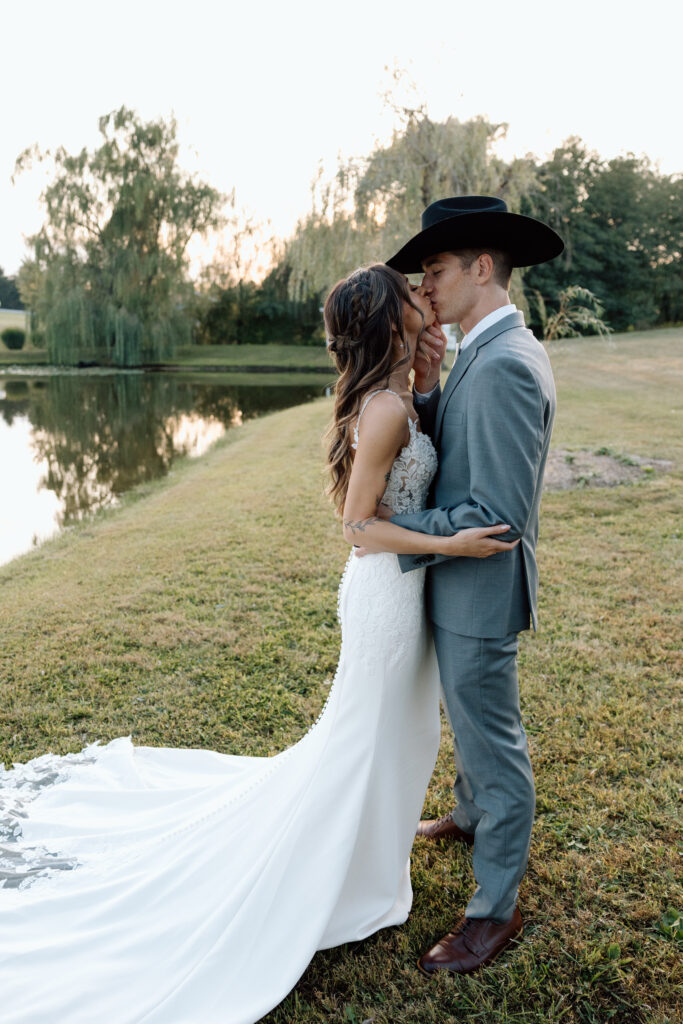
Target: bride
[(178, 886)]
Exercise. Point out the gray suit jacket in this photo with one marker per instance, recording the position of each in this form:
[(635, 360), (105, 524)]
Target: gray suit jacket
[(491, 428)]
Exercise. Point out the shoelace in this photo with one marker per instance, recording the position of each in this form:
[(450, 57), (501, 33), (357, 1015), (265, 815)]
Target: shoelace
[(470, 924), (469, 930)]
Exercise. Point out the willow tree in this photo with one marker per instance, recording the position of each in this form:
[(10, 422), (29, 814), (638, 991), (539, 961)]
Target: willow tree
[(374, 205), (108, 279)]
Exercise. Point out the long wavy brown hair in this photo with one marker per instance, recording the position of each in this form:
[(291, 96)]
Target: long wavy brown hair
[(361, 314)]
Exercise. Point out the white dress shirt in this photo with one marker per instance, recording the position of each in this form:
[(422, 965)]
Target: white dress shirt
[(487, 321)]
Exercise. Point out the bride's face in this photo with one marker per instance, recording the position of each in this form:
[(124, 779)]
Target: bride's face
[(413, 323)]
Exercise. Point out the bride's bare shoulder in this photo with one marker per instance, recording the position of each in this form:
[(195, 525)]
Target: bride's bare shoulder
[(383, 418)]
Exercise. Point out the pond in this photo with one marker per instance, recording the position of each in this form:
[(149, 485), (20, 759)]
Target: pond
[(72, 442)]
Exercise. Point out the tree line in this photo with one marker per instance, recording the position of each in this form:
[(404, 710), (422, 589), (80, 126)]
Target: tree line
[(9, 292), (108, 279), (622, 221)]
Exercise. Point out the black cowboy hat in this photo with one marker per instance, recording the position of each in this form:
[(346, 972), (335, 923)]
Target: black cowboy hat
[(475, 222)]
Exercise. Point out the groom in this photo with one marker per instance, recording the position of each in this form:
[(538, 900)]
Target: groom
[(491, 427)]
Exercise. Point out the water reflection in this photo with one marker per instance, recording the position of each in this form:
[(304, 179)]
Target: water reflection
[(72, 443)]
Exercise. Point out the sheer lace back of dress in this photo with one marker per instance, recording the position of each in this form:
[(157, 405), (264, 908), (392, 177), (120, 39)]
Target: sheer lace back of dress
[(413, 468)]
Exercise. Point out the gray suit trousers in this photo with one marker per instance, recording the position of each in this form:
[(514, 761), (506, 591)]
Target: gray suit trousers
[(494, 788)]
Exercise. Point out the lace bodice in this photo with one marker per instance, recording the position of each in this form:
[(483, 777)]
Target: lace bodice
[(411, 473), (413, 469)]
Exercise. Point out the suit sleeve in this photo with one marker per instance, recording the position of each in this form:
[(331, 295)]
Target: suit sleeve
[(425, 407), (505, 430)]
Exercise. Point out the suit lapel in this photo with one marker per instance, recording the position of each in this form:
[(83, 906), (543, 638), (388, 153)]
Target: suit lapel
[(466, 358)]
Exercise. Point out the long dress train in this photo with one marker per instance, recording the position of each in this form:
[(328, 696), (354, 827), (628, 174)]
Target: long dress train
[(147, 885)]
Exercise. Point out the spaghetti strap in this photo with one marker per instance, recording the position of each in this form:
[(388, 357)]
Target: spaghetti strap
[(380, 391)]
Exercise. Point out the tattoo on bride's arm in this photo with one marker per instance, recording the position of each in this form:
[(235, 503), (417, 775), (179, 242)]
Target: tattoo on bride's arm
[(360, 524)]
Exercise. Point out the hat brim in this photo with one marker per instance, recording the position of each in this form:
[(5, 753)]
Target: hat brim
[(528, 241)]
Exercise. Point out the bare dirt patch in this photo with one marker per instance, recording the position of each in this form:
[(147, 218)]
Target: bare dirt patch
[(568, 469)]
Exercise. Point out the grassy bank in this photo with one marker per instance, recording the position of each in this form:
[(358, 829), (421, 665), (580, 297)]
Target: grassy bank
[(309, 358), (216, 358), (266, 357), (17, 318), (22, 357), (202, 613)]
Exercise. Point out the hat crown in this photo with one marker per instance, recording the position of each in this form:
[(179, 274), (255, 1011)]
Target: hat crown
[(446, 209), (466, 222)]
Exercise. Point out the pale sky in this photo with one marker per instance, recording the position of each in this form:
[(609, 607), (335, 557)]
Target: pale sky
[(264, 91)]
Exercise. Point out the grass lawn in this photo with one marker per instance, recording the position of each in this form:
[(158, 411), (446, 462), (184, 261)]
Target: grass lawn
[(226, 357), (273, 357), (22, 357), (202, 612), (13, 318), (265, 356)]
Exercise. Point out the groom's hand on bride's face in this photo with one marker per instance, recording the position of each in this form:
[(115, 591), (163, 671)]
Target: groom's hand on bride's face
[(431, 349)]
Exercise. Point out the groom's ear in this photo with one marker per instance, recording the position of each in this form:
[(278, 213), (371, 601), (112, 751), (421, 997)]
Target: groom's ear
[(484, 268)]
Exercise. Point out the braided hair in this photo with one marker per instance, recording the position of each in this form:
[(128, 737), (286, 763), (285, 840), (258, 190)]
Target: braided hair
[(361, 314)]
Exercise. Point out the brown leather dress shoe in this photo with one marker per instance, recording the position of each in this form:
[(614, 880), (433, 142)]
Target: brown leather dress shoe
[(443, 828), (476, 941)]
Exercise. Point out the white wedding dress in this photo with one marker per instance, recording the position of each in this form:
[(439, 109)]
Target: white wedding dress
[(144, 885)]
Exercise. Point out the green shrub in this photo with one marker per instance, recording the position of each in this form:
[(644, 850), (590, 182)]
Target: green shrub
[(13, 337)]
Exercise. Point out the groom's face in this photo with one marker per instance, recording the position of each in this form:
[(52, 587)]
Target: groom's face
[(450, 288)]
